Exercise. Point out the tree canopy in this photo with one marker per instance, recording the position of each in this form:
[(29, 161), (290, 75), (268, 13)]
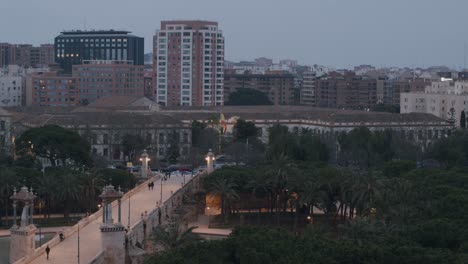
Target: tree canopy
[(247, 96), (244, 130), (54, 143)]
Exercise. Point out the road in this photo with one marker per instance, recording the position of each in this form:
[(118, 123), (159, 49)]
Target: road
[(90, 236)]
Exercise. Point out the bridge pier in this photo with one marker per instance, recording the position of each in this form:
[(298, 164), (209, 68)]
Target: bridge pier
[(23, 236), (112, 234)]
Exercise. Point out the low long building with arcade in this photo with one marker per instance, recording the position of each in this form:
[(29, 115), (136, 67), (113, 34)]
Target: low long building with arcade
[(106, 122)]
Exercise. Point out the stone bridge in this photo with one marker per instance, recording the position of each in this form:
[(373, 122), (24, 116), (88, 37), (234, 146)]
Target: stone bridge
[(139, 210)]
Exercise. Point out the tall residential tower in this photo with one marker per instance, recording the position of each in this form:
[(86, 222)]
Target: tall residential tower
[(188, 61)]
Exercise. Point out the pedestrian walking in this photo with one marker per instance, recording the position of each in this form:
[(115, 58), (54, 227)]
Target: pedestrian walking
[(149, 186), (47, 251)]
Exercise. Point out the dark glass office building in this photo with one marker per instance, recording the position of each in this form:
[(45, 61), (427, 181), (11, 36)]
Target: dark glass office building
[(73, 47)]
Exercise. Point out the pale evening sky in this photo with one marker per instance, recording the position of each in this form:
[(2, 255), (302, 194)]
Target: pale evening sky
[(338, 33)]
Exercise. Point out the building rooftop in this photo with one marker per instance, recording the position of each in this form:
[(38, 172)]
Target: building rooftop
[(134, 112), (121, 101), (328, 115), (94, 32)]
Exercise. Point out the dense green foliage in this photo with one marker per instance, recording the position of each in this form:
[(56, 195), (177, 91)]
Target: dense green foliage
[(304, 146), (244, 130), (364, 148), (261, 245), (61, 189), (378, 206), (386, 108), (133, 145), (404, 215), (54, 143), (246, 96), (450, 151)]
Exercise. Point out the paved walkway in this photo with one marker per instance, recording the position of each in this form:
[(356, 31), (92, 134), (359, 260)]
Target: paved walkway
[(203, 229), (90, 236)]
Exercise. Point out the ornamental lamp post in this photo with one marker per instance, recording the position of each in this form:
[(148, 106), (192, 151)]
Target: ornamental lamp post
[(144, 164), (210, 158)]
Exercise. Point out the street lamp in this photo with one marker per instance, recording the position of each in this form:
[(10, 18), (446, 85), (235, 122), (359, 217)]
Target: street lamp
[(210, 158), (163, 179), (144, 164)]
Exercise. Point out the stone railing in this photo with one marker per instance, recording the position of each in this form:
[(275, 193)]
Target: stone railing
[(81, 224), (138, 232), (98, 259)]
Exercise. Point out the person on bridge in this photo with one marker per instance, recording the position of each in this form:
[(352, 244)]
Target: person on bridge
[(47, 251)]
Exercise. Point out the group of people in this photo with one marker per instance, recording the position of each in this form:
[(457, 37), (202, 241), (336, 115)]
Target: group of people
[(150, 185)]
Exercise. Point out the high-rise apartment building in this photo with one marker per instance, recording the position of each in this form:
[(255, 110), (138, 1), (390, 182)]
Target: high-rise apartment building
[(26, 55), (97, 79), (188, 61), (74, 47), (308, 88)]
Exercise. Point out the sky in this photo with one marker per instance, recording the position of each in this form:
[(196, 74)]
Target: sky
[(335, 33)]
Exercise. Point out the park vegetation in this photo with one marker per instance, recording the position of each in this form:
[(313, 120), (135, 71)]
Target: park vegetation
[(373, 200), (72, 182)]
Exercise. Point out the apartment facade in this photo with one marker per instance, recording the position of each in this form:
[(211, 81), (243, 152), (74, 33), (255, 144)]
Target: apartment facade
[(11, 88), (100, 78), (188, 61), (74, 47), (278, 87), (445, 99), (347, 90), (407, 85), (148, 83), (51, 89), (308, 88), (26, 55)]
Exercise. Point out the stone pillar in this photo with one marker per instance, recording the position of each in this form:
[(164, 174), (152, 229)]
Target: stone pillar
[(112, 234), (22, 242), (144, 164), (113, 243), (210, 158)]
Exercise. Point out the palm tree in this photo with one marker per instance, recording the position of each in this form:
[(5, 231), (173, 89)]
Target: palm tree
[(260, 189), (69, 189), (171, 236), (366, 189), (278, 173), (225, 189), (309, 195), (46, 186), (91, 183), (8, 181)]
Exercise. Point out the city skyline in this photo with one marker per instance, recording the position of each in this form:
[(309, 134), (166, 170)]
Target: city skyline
[(332, 33)]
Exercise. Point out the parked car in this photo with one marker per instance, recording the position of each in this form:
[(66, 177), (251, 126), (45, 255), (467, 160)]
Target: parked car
[(136, 168), (170, 168)]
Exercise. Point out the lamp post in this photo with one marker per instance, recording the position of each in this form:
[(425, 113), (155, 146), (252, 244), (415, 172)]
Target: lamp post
[(210, 157), (128, 226), (144, 164), (162, 179)]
